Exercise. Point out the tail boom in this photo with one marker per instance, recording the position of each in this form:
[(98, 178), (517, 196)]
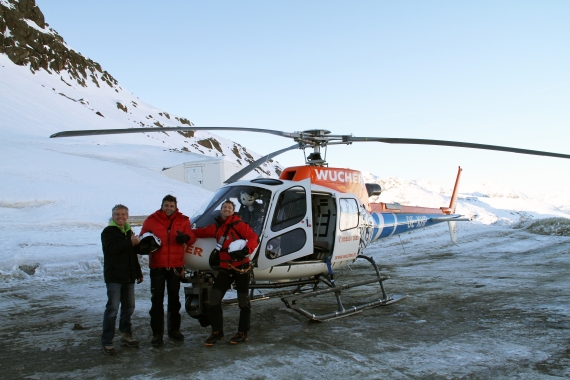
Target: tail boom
[(394, 219), (387, 224)]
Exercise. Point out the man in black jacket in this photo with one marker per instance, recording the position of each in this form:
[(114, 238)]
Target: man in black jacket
[(121, 269)]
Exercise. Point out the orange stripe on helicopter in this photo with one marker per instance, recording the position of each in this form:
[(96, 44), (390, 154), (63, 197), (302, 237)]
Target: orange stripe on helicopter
[(350, 181), (343, 180)]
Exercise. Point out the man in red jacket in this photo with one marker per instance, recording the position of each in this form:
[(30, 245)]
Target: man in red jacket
[(167, 266), (230, 230)]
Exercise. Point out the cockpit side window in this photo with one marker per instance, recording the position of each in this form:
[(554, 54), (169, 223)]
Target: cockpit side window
[(291, 208), (210, 210), (348, 214), (251, 205)]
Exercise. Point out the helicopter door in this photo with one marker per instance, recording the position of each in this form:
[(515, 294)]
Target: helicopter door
[(288, 234)]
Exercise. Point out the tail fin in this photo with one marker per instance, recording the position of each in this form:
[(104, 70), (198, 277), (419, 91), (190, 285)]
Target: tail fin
[(452, 206), (454, 195)]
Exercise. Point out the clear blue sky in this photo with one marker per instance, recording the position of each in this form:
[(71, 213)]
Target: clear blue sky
[(491, 72)]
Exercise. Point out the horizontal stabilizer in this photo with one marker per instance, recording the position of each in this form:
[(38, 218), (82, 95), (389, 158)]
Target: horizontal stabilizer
[(451, 219)]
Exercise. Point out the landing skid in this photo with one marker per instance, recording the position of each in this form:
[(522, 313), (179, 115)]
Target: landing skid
[(292, 300), (300, 286), (305, 288)]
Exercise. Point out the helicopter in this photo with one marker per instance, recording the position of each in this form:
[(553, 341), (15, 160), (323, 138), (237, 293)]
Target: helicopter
[(312, 221)]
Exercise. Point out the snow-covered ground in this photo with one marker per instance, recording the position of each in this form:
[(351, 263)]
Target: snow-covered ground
[(494, 306)]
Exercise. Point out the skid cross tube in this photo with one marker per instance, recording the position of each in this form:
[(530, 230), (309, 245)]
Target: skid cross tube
[(333, 284), (282, 284), (297, 284), (291, 301), (380, 279)]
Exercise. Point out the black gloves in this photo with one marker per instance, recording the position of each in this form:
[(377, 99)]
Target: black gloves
[(182, 238), (241, 254)]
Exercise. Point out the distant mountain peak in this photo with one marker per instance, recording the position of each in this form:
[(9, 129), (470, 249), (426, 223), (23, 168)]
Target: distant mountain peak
[(28, 41)]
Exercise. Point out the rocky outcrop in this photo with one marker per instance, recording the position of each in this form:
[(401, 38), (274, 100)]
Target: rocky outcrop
[(26, 39)]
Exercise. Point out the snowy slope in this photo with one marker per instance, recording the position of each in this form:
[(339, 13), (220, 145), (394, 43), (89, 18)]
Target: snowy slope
[(41, 104), (56, 194), (48, 87)]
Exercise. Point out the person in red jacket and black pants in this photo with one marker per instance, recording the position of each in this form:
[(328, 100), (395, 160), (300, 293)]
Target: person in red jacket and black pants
[(167, 266), (234, 266)]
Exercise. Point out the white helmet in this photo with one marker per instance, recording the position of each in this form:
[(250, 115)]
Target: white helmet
[(237, 245), (246, 199)]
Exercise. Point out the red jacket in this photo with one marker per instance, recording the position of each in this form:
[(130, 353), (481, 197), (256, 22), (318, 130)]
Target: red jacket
[(240, 230), (170, 254)]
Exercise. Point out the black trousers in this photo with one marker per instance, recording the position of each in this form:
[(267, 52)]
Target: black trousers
[(161, 279), (221, 285)]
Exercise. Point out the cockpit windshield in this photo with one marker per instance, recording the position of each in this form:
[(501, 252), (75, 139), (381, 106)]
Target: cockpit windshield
[(251, 205)]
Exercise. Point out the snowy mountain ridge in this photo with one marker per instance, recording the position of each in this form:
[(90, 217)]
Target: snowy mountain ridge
[(92, 93), (491, 203)]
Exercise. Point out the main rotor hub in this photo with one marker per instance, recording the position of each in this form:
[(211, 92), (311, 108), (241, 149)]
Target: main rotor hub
[(315, 138), (316, 132)]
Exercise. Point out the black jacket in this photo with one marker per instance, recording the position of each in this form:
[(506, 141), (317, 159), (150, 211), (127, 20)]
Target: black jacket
[(120, 261)]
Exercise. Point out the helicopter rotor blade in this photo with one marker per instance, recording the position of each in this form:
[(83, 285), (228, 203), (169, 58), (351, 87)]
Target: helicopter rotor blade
[(315, 138), (96, 132), (389, 140), (259, 162)]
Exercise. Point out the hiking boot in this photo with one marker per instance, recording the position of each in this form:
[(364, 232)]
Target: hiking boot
[(240, 337), (109, 350), (128, 340), (157, 341), (214, 337), (176, 335)]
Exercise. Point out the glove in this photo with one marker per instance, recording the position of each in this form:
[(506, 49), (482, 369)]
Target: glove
[(241, 254), (182, 238)]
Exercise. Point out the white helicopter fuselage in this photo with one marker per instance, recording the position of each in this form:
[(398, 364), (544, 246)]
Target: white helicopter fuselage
[(308, 222)]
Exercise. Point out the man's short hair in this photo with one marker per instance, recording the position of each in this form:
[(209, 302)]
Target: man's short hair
[(230, 202), (119, 207), (169, 198)]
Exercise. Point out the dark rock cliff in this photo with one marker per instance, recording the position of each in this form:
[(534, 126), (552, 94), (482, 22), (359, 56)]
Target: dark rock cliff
[(41, 47)]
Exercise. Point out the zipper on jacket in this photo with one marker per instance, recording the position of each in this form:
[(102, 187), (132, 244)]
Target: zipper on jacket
[(168, 235)]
